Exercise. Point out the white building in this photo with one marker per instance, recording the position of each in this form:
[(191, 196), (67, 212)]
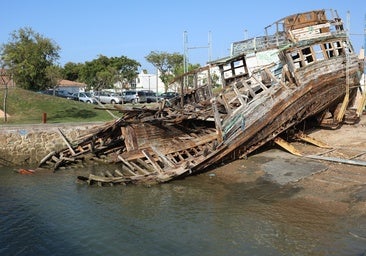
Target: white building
[(145, 81), (150, 82)]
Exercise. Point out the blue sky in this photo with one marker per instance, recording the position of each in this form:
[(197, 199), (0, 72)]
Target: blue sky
[(85, 29)]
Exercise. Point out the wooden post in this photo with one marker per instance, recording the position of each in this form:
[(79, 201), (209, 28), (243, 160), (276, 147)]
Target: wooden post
[(44, 118)]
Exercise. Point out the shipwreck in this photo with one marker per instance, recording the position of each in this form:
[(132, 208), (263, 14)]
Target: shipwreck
[(305, 70)]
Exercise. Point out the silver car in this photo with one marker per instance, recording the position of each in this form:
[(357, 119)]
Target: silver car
[(107, 97), (83, 96)]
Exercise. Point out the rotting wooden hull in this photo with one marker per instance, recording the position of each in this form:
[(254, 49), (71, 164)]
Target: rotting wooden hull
[(291, 107), (155, 146), (248, 128), (159, 151)]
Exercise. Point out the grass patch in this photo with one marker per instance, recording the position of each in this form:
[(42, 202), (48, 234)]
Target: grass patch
[(27, 107)]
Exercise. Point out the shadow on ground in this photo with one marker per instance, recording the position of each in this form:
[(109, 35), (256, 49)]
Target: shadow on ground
[(75, 113)]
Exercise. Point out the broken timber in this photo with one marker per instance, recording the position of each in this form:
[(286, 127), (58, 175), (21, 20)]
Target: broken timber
[(255, 106)]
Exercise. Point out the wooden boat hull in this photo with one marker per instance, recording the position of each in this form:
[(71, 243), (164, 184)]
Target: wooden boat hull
[(317, 77)]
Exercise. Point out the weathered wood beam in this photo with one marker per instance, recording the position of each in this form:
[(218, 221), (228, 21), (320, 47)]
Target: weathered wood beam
[(47, 157), (139, 169), (164, 159), (152, 161), (306, 138), (239, 96), (144, 164), (130, 138), (125, 162), (287, 146), (66, 141)]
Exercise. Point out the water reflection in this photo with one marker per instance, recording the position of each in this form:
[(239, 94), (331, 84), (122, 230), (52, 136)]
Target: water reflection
[(49, 213)]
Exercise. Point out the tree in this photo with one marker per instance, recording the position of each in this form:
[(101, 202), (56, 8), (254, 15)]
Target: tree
[(27, 56), (168, 64), (71, 71), (54, 75), (103, 72)]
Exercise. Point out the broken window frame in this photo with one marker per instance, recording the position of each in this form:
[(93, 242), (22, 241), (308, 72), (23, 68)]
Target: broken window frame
[(302, 57)]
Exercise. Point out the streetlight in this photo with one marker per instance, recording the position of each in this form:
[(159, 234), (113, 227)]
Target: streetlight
[(149, 76)]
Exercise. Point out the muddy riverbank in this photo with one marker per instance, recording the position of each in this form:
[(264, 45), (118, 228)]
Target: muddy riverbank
[(331, 186)]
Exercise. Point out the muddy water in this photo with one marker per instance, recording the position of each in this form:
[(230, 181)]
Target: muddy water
[(50, 214)]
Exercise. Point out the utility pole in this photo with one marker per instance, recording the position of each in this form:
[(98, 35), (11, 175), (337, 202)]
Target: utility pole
[(186, 48)]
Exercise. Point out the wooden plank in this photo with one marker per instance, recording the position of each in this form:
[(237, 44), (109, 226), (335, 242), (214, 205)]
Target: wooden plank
[(127, 166), (284, 144), (125, 162), (239, 96), (66, 141), (249, 88), (67, 159), (226, 104), (117, 172), (108, 173), (171, 158), (152, 161), (139, 169), (128, 170), (187, 153), (217, 119), (54, 158), (306, 138), (48, 156), (193, 142), (57, 164), (144, 164), (162, 156), (130, 138), (97, 178)]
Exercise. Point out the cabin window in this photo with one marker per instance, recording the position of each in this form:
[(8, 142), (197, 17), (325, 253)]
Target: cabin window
[(296, 59), (338, 48), (328, 47), (335, 48), (318, 51), (307, 55), (347, 47), (234, 68)]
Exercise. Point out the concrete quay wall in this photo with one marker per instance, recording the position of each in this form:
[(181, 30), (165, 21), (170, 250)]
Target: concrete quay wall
[(27, 145)]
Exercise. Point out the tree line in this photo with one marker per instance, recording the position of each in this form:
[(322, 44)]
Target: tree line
[(32, 59)]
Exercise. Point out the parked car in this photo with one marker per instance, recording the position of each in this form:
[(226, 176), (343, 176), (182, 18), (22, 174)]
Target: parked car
[(133, 96), (57, 92), (84, 97), (107, 97), (63, 93), (151, 97), (169, 95)]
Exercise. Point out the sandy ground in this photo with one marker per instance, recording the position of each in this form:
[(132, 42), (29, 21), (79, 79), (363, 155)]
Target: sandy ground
[(341, 188)]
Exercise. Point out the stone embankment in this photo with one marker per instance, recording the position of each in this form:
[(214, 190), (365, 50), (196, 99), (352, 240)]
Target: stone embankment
[(27, 145)]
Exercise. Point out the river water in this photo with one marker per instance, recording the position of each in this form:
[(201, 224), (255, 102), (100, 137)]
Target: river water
[(51, 214)]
